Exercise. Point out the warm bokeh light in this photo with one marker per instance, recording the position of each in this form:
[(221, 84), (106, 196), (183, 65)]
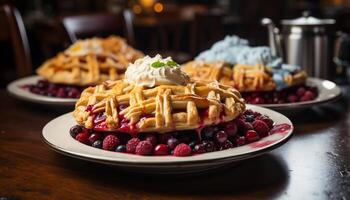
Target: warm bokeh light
[(137, 9), (158, 7), (147, 3)]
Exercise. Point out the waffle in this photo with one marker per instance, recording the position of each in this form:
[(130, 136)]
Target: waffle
[(160, 109), (89, 62), (245, 78)]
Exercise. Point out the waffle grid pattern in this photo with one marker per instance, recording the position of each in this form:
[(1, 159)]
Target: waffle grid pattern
[(166, 107), (245, 78), (91, 68)]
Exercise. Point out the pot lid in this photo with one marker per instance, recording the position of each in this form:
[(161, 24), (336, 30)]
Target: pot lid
[(307, 20)]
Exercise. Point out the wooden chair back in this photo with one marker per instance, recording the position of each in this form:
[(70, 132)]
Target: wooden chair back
[(206, 30), (103, 24), (18, 39)]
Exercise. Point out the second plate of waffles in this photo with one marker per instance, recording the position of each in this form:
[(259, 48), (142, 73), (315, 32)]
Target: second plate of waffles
[(261, 77), (156, 116), (85, 63)]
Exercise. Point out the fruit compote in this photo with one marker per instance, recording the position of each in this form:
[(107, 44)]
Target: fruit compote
[(288, 95), (249, 127), (45, 88)]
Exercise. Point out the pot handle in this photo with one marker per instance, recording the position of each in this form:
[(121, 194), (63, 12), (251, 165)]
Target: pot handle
[(274, 37), (342, 52)]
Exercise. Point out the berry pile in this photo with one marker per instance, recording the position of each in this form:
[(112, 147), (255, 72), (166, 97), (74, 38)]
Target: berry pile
[(289, 95), (45, 88), (247, 128)]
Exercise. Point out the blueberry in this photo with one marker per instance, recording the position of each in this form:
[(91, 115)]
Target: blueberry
[(74, 130), (192, 144), (121, 148), (97, 144), (172, 143), (208, 132), (176, 134), (249, 118)]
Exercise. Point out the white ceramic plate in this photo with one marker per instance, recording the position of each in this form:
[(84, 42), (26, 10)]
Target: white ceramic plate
[(16, 89), (56, 135), (327, 92)]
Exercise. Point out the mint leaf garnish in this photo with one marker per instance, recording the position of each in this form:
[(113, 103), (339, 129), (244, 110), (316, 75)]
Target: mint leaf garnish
[(172, 63), (157, 64)]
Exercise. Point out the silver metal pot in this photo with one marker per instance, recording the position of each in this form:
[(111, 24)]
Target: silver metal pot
[(307, 41)]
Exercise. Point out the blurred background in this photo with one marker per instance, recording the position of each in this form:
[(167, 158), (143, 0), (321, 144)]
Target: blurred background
[(180, 28)]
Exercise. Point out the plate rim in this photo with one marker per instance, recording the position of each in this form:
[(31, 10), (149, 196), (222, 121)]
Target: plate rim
[(315, 81), (176, 160), (14, 89)]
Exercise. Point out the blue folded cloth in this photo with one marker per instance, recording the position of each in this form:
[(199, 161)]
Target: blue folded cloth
[(235, 50)]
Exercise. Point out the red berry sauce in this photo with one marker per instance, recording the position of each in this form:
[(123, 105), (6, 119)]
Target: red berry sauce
[(45, 88), (288, 95)]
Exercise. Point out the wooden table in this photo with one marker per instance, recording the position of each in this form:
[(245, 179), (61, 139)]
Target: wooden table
[(314, 164)]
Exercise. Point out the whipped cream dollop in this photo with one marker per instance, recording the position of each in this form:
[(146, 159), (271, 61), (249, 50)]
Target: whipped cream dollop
[(151, 72), (84, 47), (235, 50)]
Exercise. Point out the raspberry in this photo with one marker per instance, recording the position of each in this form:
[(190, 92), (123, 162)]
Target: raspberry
[(83, 137), (131, 145), (261, 127), (182, 150), (252, 136), (144, 148), (161, 149), (110, 143), (267, 120)]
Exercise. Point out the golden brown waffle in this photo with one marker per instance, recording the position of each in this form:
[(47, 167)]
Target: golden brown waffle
[(252, 78), (245, 78), (160, 109), (109, 62)]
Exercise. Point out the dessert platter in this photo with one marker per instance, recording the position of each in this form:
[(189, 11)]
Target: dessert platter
[(260, 77), (156, 120), (88, 62)]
